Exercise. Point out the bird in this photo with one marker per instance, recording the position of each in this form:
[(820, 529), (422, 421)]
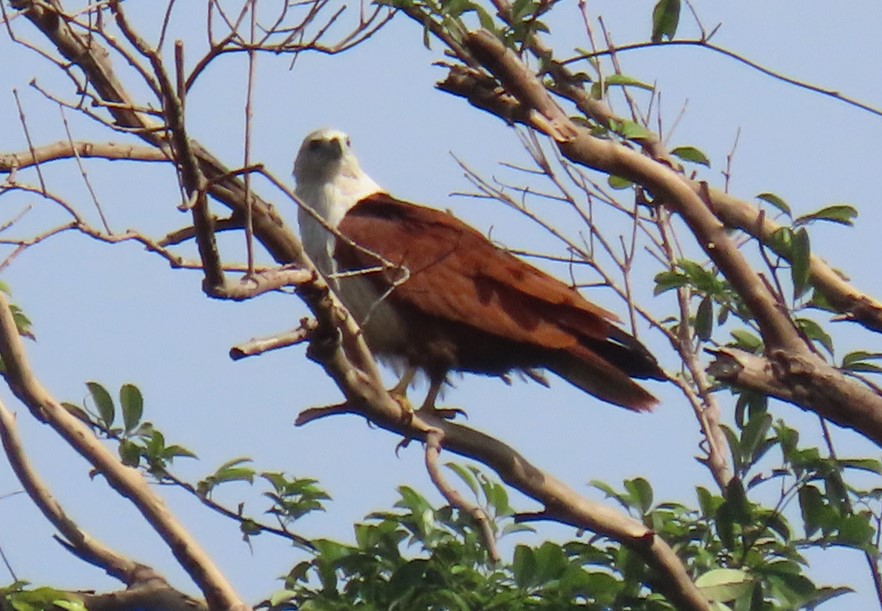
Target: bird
[(433, 295)]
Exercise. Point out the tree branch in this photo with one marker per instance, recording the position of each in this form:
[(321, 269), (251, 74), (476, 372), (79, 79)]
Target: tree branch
[(84, 546), (127, 481)]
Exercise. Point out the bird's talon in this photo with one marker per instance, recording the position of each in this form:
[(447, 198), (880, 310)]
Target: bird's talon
[(446, 413), (407, 410), (402, 444)]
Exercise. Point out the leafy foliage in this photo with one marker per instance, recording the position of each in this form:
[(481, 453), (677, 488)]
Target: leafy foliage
[(422, 557), (19, 597)]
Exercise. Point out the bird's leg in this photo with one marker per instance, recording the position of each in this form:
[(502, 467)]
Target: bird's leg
[(432, 396), (399, 392), (400, 389)]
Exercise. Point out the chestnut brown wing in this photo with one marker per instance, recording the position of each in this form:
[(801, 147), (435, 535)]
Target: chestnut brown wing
[(454, 273)]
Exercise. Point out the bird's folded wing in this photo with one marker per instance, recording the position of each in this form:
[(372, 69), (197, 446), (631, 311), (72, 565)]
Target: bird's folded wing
[(455, 273)]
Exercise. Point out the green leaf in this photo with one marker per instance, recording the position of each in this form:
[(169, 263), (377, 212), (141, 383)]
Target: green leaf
[(132, 404), (708, 502), (466, 476), (175, 450), (550, 561), (103, 403), (704, 319), (723, 585), (856, 531), (22, 323), (454, 8), (815, 332), (777, 202), (842, 214), (811, 504), (622, 80), (641, 493), (736, 500), (631, 130), (485, 19), (800, 262), (521, 9), (753, 435), (691, 154), (746, 341), (857, 361), (524, 566), (665, 19), (230, 471), (827, 593), (281, 596), (618, 183), (781, 241), (610, 492), (129, 453), (862, 464), (665, 281)]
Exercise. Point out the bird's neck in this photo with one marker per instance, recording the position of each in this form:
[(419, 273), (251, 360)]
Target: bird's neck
[(329, 199)]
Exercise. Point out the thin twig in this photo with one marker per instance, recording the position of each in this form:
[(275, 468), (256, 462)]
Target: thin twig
[(704, 44), (433, 442), (27, 133)]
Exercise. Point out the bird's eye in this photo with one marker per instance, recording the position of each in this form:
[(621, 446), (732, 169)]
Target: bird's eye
[(314, 144), (348, 143)]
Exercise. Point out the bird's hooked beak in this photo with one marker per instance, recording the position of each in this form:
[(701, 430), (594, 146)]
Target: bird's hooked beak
[(331, 145)]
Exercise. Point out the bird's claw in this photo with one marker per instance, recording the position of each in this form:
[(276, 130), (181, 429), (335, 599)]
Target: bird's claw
[(445, 413), (407, 410), (402, 444)]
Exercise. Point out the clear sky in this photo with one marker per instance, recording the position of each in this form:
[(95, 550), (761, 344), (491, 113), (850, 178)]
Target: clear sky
[(118, 314)]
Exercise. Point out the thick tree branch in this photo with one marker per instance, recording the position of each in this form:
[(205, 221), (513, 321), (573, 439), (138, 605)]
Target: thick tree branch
[(85, 547), (799, 380), (853, 304)]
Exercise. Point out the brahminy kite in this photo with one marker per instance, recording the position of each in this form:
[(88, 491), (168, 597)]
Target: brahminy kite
[(432, 294)]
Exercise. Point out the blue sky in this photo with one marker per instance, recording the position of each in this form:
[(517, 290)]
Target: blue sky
[(117, 314)]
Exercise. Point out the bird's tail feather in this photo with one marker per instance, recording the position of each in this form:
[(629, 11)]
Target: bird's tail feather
[(603, 381)]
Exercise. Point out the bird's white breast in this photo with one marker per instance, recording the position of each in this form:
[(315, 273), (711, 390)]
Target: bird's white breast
[(383, 328)]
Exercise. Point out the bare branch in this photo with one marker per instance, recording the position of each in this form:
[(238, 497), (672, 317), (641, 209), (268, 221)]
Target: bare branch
[(80, 149), (433, 444), (257, 347), (705, 44), (85, 547)]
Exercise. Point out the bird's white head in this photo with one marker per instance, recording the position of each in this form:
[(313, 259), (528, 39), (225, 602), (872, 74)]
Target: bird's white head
[(326, 161)]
